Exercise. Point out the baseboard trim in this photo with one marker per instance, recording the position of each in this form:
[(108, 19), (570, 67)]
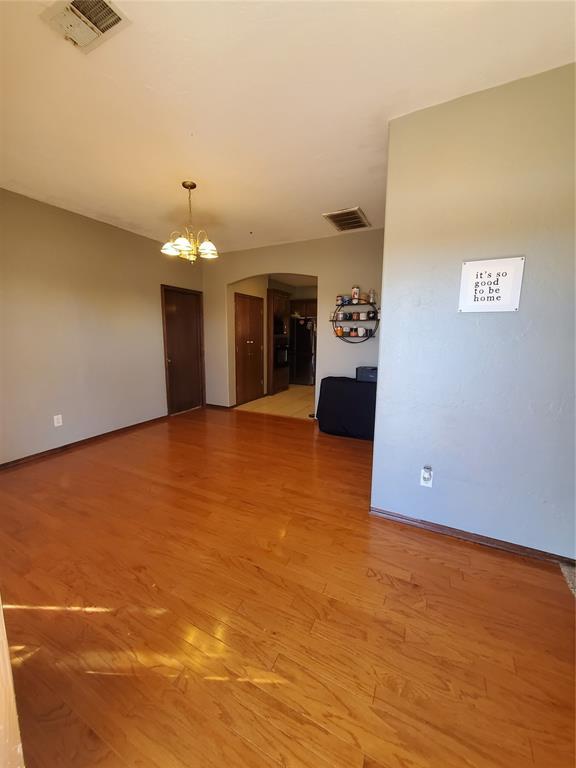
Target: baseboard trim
[(220, 407), (77, 443), (473, 538)]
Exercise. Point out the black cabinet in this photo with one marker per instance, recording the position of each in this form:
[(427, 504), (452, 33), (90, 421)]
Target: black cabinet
[(304, 307)]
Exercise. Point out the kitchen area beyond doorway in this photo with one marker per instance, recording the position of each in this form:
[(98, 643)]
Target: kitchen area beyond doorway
[(290, 347), (296, 401)]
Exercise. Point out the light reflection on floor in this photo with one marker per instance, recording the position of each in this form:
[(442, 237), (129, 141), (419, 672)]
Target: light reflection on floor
[(149, 662), (200, 647), (270, 679), (21, 653), (85, 609), (69, 608)]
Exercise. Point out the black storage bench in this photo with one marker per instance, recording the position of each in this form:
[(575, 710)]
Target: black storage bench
[(347, 407)]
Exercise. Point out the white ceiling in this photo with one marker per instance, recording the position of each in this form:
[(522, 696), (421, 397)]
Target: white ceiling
[(277, 109), (296, 281)]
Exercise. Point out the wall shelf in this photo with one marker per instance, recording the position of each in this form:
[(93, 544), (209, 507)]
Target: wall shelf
[(372, 323)]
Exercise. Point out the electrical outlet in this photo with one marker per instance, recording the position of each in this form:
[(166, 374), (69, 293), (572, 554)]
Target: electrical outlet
[(58, 420), (426, 476)]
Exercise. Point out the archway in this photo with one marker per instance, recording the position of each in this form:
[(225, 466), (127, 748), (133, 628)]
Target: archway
[(337, 262), (289, 323)]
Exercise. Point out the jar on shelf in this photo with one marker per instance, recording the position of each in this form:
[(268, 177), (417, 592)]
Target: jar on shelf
[(355, 292)]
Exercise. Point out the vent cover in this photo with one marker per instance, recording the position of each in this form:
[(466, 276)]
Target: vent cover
[(85, 23), (98, 13), (348, 218)]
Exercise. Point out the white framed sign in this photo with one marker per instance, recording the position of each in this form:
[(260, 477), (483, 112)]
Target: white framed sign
[(492, 285)]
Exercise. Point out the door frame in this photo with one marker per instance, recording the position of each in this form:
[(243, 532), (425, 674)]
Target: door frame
[(163, 289), (249, 296)]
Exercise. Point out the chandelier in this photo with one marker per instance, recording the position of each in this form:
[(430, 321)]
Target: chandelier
[(187, 244)]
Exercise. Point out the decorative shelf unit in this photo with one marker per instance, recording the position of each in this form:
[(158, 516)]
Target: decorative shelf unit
[(370, 324)]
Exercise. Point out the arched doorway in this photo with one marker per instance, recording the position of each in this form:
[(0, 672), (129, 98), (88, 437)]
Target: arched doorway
[(289, 343)]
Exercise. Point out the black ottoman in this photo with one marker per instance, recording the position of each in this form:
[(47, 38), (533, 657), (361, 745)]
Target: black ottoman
[(347, 407)]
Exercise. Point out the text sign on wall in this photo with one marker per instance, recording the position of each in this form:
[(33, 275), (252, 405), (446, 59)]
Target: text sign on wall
[(492, 285)]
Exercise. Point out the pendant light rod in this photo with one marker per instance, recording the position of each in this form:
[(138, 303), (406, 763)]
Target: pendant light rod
[(189, 185)]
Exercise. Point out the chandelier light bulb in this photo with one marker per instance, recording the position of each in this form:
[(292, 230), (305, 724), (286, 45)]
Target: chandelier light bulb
[(168, 249), (183, 244), (208, 250)]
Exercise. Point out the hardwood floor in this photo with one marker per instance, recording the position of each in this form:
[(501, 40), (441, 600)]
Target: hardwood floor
[(210, 591), (297, 402)]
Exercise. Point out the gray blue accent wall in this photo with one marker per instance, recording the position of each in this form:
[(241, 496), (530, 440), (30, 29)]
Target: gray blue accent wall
[(487, 399)]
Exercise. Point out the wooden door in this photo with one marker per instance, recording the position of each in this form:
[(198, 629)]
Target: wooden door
[(249, 324), (183, 348), (311, 308)]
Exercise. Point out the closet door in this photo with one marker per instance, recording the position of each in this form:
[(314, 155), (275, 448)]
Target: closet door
[(249, 324)]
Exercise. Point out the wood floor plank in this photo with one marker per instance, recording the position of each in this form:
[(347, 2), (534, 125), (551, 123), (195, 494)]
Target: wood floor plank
[(381, 731), (211, 590), (54, 732)]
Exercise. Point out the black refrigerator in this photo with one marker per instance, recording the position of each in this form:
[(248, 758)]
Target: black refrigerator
[(302, 350)]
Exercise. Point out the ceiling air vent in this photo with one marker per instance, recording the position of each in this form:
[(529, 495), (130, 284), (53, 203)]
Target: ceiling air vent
[(98, 13), (349, 218), (84, 22)]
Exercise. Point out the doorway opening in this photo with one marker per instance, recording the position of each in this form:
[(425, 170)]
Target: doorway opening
[(289, 344), (182, 317)]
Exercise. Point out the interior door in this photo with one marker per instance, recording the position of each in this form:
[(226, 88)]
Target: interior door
[(183, 348), (249, 324)]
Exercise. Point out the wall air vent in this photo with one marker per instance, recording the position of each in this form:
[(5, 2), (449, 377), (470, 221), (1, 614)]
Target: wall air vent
[(85, 23), (348, 218)]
